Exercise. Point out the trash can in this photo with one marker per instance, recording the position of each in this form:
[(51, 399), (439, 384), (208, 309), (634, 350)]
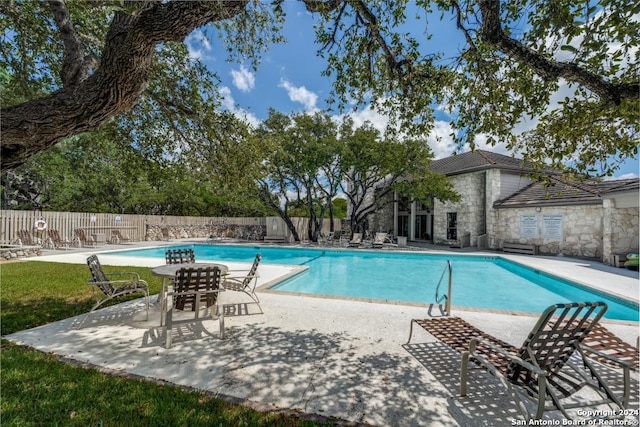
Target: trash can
[(402, 241), (619, 259)]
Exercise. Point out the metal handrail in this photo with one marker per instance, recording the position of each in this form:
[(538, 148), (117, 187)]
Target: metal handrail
[(447, 296)]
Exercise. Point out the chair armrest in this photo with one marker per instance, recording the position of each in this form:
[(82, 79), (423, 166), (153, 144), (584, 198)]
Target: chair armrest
[(512, 357), (124, 273), (609, 357), (241, 278), (115, 283), (239, 271)]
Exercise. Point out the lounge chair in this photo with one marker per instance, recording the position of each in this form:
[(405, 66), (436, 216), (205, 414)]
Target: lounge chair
[(180, 256), (379, 240), (551, 365), (245, 283), (25, 239), (194, 289), (356, 240), (336, 238), (541, 370), (118, 238), (83, 240), (107, 287), (165, 234), (54, 241)]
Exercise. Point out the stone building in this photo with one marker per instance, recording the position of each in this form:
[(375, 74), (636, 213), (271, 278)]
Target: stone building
[(501, 204)]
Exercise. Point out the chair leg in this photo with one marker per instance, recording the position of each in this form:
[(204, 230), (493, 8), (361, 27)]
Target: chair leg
[(168, 322), (221, 320), (95, 306), (146, 300), (464, 372)]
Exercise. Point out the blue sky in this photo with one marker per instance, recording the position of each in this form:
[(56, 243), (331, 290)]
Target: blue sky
[(289, 79)]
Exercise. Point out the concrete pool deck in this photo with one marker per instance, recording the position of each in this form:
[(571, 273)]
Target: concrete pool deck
[(331, 357)]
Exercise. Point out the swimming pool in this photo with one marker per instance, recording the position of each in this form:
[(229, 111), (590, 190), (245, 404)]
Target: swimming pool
[(481, 282)]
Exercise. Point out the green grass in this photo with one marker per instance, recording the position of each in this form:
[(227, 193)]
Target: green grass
[(38, 389)]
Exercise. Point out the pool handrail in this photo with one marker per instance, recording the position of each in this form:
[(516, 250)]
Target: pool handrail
[(447, 296)]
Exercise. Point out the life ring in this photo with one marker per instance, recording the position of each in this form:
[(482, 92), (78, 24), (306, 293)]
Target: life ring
[(41, 225)]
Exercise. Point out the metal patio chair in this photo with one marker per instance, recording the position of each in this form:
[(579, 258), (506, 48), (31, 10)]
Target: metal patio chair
[(552, 363), (55, 241), (25, 239), (356, 240), (119, 238), (180, 256), (107, 286), (245, 283), (194, 289), (84, 240)]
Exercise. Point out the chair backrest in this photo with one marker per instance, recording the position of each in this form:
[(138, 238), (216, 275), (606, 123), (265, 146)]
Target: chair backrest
[(379, 238), (81, 234), (196, 279), (54, 235), (252, 272), (99, 276), (357, 237), (555, 337), (25, 237), (180, 256)]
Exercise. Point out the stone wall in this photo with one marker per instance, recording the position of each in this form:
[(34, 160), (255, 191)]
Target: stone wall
[(620, 230), (7, 254), (470, 209), (581, 229), (244, 232), (382, 219)]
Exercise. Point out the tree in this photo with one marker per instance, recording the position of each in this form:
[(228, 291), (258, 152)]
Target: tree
[(515, 56), (302, 169), (376, 167), (104, 64), (73, 67)]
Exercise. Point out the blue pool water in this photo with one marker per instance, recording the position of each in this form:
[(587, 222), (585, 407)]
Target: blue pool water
[(481, 282)]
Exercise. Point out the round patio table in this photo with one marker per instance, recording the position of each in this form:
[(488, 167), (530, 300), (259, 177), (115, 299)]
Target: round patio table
[(169, 270)]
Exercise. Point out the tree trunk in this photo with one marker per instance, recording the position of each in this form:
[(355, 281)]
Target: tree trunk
[(116, 84)]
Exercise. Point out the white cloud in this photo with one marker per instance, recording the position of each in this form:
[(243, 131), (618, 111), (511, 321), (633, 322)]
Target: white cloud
[(230, 104), (440, 140), (300, 94), (197, 45), (629, 175), (243, 79), (377, 120)]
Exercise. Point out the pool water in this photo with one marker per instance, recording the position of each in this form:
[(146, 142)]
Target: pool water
[(480, 282)]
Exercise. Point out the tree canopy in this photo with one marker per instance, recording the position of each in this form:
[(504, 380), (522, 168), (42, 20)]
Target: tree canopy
[(557, 80), (313, 159)]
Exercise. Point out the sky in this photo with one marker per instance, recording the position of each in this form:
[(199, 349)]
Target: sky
[(289, 79)]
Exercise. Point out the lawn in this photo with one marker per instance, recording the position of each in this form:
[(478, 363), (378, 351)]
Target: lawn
[(39, 389)]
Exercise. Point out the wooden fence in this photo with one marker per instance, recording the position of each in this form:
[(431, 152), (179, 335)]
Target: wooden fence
[(101, 224), (135, 226)]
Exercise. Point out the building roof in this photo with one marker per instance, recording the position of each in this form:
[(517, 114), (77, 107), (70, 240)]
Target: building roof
[(560, 191), (477, 160)]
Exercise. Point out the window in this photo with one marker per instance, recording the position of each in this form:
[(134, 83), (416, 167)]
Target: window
[(452, 226), (403, 225)]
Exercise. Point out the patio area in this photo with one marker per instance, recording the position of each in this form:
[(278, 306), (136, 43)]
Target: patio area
[(329, 357)]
